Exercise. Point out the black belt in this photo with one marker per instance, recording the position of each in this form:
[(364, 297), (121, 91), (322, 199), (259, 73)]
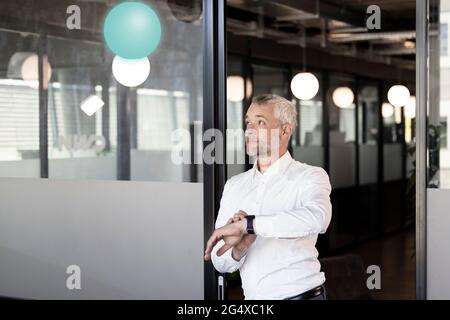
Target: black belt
[(317, 291)]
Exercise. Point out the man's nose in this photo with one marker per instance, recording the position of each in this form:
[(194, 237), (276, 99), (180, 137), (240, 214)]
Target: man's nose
[(250, 131)]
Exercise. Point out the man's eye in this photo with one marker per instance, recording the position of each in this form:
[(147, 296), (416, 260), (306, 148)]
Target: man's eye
[(261, 122)]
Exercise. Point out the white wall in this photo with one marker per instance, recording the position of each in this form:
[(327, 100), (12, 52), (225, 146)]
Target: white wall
[(438, 240), (157, 166), (28, 168), (103, 168), (132, 240)]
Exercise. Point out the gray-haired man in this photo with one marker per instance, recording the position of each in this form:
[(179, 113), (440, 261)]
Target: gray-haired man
[(271, 215)]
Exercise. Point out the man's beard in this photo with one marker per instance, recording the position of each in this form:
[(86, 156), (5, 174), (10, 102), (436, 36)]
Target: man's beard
[(256, 147), (258, 150)]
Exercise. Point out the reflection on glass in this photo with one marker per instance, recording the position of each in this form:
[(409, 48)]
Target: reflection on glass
[(342, 134), (342, 120), (239, 92), (310, 122), (19, 106), (307, 138), (98, 129), (269, 79), (439, 113), (368, 133), (368, 115), (393, 132)]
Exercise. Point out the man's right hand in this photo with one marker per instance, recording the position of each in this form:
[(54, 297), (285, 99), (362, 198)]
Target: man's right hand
[(239, 250)]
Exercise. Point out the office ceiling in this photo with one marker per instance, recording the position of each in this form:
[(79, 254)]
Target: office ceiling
[(398, 7), (338, 26)]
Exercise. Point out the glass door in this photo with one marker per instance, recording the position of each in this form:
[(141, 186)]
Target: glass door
[(101, 163), (433, 157)]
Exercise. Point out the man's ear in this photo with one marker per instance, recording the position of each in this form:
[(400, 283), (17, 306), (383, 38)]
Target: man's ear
[(286, 129)]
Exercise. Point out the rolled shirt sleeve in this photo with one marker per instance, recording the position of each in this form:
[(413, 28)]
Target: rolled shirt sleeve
[(225, 263), (311, 216)]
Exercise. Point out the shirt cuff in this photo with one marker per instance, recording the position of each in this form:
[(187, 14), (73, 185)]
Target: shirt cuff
[(226, 262), (229, 256), (263, 226)]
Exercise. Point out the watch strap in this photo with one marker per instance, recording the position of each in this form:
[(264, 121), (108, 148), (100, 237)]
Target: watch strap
[(250, 228)]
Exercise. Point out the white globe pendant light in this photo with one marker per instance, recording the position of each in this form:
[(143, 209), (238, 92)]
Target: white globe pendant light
[(398, 95), (304, 85), (130, 72), (343, 97), (236, 88), (387, 110), (30, 71)]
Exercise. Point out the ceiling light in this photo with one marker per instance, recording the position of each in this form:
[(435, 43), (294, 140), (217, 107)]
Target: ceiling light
[(236, 90), (343, 97), (130, 72), (398, 95), (304, 86)]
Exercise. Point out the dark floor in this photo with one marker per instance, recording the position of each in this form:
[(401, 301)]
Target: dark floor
[(394, 254)]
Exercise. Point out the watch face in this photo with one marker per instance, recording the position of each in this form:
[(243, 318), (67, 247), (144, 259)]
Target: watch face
[(250, 224)]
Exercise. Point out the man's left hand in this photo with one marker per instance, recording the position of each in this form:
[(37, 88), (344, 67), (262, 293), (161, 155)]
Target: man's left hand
[(231, 234)]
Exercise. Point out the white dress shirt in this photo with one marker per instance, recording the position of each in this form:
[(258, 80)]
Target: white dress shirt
[(291, 202)]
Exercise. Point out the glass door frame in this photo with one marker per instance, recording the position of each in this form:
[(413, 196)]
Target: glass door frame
[(422, 100), (214, 96), (214, 117)]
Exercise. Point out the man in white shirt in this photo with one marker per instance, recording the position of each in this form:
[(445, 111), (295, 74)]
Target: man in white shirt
[(270, 216)]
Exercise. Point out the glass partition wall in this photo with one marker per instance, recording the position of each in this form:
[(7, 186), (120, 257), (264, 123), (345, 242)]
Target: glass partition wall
[(67, 113), (307, 140), (132, 135)]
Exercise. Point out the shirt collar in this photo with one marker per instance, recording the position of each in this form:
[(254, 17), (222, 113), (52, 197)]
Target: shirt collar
[(278, 167)]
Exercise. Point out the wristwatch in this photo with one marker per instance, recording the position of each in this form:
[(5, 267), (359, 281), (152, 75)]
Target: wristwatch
[(250, 229)]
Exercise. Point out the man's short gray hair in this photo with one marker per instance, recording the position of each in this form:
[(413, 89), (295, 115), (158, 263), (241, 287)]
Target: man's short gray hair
[(283, 109)]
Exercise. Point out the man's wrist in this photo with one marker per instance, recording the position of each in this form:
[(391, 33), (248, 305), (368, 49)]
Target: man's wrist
[(243, 225), (240, 250)]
